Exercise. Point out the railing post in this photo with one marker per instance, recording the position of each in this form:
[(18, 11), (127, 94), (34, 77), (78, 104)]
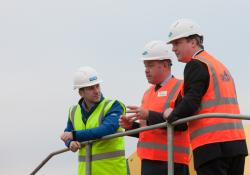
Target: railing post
[(88, 158), (170, 161)]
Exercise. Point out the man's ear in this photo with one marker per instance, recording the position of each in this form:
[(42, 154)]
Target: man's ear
[(80, 91), (166, 63), (193, 43)]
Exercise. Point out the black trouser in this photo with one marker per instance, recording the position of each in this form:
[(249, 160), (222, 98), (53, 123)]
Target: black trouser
[(154, 167), (223, 166)]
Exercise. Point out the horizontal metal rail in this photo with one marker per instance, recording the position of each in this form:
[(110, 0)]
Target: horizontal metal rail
[(120, 134), (135, 131)]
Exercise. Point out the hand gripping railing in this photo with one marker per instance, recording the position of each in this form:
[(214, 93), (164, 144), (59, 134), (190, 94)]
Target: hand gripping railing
[(170, 130)]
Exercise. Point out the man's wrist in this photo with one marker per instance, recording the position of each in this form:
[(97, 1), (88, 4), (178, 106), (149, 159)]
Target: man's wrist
[(73, 134), (67, 143)]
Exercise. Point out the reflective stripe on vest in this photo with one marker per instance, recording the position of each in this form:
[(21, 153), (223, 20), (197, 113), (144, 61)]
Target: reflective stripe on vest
[(163, 147), (214, 128), (171, 94), (102, 112), (72, 115), (103, 156), (218, 99)]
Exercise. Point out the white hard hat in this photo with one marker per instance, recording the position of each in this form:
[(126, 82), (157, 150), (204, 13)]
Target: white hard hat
[(183, 28), (86, 76), (156, 50)]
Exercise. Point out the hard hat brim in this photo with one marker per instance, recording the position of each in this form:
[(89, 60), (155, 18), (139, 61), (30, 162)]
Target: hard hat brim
[(155, 58), (183, 36), (87, 84)]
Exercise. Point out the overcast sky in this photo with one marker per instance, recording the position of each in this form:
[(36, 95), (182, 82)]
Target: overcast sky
[(42, 43)]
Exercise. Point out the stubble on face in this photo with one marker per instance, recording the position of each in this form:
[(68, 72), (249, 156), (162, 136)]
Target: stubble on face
[(91, 94)]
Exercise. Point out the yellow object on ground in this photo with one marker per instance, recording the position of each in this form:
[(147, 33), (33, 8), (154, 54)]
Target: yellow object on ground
[(134, 161), (247, 164), (134, 164)]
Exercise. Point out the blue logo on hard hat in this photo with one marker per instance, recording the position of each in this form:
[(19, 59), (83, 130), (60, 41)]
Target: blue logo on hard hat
[(145, 53), (170, 34), (93, 78)]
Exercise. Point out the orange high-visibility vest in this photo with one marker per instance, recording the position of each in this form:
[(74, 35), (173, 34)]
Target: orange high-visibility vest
[(152, 144), (220, 97)]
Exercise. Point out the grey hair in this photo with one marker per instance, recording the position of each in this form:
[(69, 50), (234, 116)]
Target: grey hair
[(198, 39)]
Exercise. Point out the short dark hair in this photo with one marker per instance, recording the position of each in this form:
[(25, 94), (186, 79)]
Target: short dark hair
[(198, 39), (81, 89)]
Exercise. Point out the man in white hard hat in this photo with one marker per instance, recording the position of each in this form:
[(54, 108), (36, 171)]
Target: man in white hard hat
[(94, 117), (152, 145), (219, 146)]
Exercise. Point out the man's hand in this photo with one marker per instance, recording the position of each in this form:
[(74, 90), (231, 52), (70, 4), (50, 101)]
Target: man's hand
[(74, 146), (167, 112), (126, 121), (140, 113), (67, 136)]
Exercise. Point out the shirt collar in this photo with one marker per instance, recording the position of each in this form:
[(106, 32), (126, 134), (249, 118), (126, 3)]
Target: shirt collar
[(196, 53), (168, 77)]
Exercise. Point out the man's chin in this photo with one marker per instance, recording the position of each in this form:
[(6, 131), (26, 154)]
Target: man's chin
[(184, 59), (149, 80), (179, 59), (97, 99)]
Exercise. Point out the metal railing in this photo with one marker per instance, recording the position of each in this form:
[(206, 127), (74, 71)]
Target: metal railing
[(170, 131)]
